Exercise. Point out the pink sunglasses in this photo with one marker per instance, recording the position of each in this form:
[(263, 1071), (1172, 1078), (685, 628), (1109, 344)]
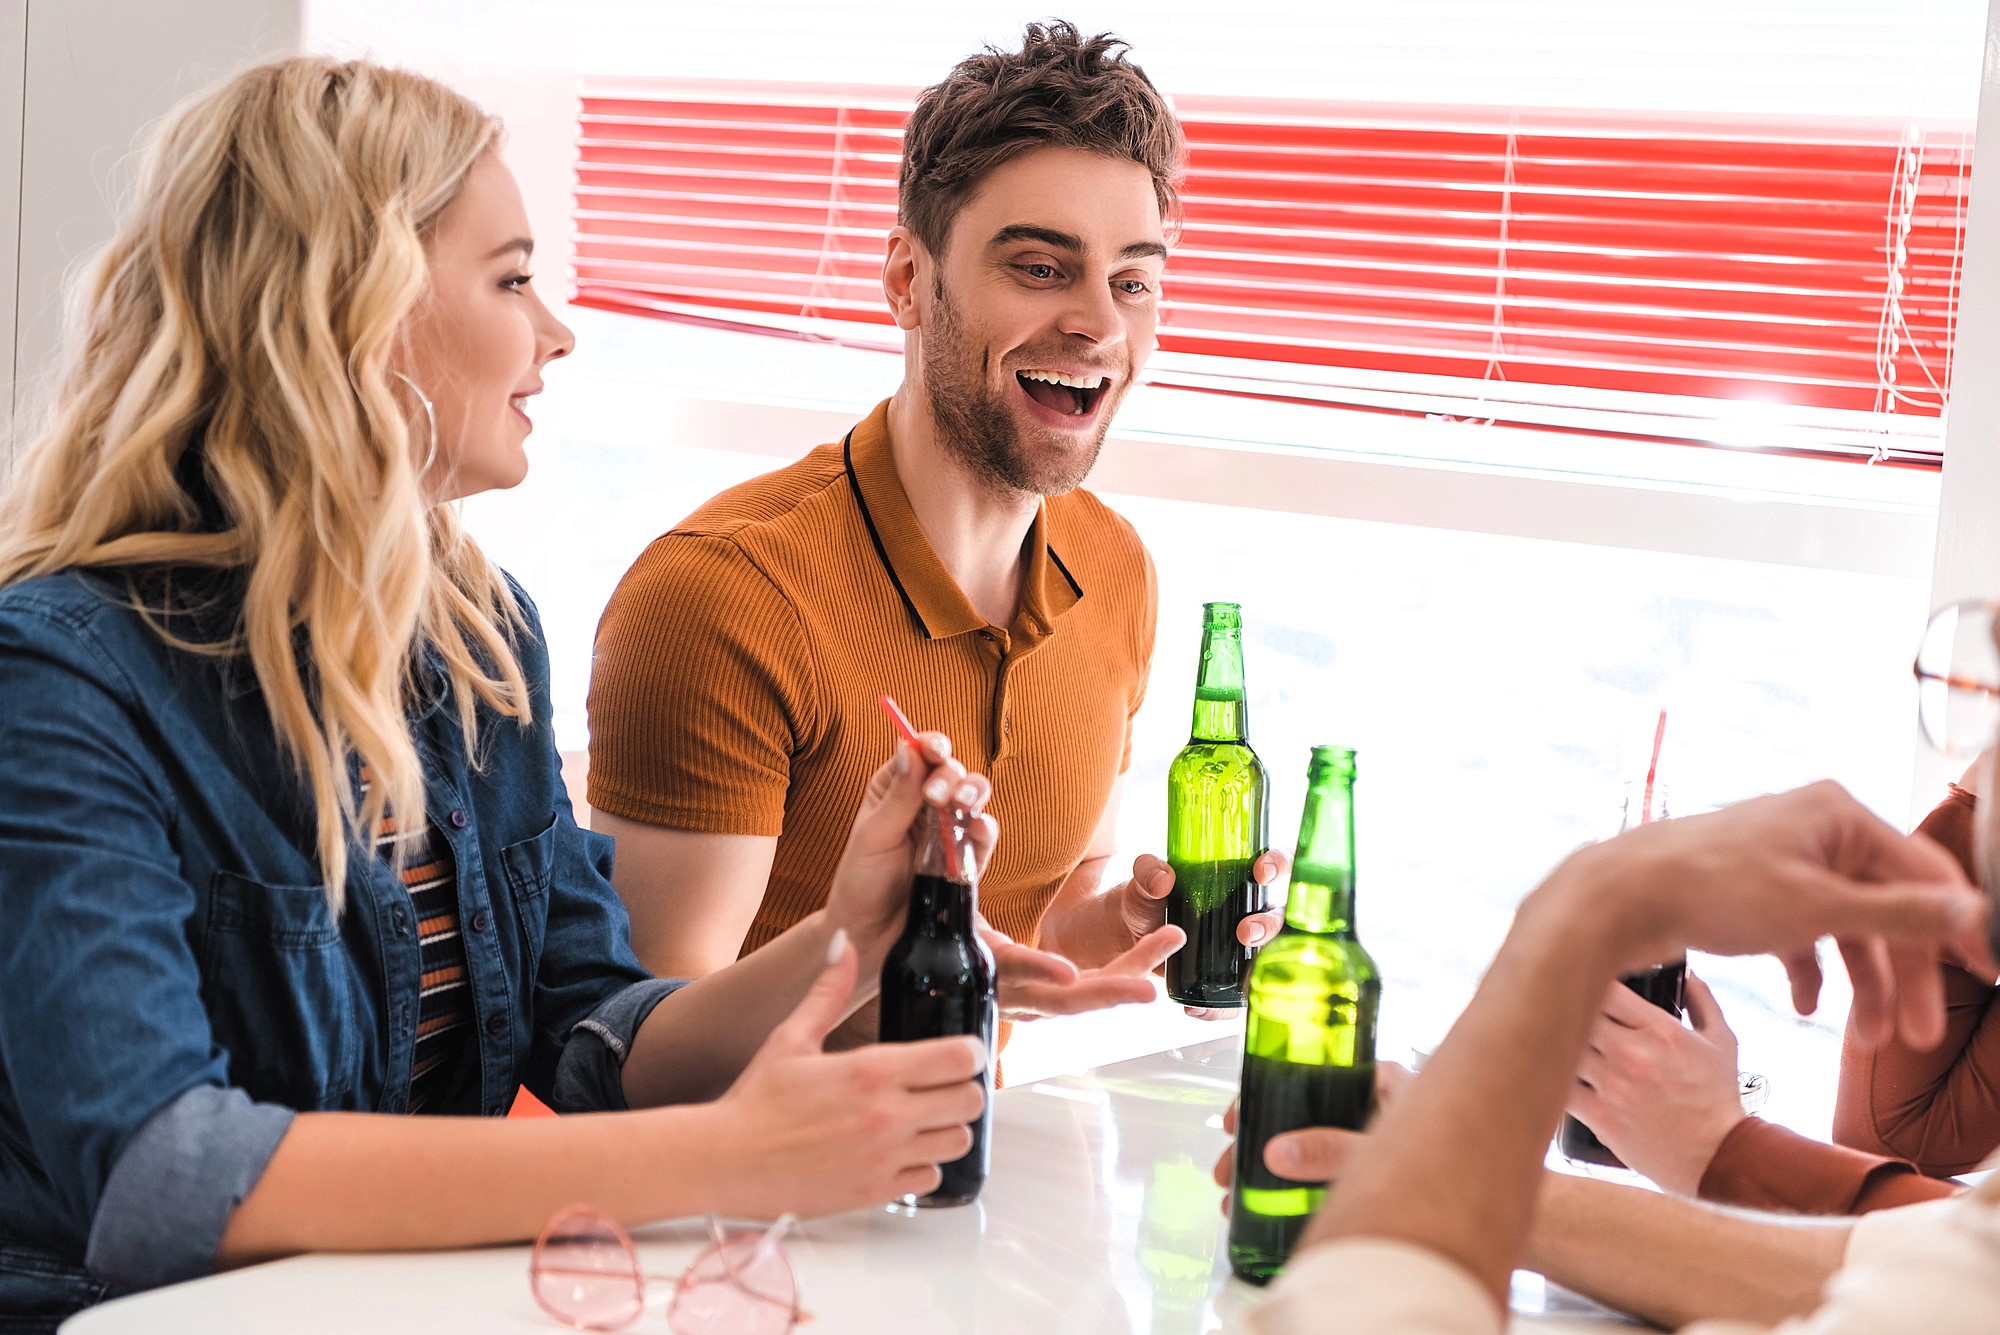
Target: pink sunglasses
[(585, 1273)]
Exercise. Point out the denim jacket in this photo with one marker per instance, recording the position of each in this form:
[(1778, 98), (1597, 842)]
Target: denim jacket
[(173, 984)]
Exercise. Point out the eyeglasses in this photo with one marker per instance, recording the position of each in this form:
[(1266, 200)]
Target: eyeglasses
[(1958, 678), (585, 1273)]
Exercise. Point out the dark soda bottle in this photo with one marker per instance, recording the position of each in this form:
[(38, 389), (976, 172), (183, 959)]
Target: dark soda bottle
[(1217, 824), (1309, 1040), (938, 980), (1665, 985)]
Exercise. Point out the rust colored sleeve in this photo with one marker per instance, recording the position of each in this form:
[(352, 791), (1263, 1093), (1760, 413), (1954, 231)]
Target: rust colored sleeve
[(1939, 1109), (1765, 1167)]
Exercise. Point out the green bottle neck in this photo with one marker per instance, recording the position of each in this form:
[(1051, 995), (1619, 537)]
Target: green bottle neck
[(1322, 893), (1220, 714)]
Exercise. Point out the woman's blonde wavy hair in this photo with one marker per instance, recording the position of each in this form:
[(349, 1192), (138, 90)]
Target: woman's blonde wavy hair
[(239, 335)]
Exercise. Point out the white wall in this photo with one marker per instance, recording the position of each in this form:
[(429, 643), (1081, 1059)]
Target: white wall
[(80, 80)]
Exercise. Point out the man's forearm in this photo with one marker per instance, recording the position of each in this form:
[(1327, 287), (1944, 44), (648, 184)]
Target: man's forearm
[(1456, 1170), (696, 1042), (1673, 1261)]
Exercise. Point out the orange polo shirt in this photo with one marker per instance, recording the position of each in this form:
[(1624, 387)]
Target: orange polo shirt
[(738, 664)]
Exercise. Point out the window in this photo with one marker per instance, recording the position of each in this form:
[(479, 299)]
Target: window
[(1579, 270)]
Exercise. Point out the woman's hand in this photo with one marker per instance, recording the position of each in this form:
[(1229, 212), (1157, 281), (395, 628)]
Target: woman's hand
[(1313, 1153), (870, 892), (1660, 1096), (1035, 983), (816, 1133), (1142, 905)]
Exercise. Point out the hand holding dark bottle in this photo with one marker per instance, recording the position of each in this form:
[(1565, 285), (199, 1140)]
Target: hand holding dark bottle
[(869, 895), (1660, 1096), (838, 1131)]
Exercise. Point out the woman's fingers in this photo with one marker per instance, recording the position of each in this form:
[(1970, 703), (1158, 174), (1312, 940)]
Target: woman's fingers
[(1704, 1011), (1315, 1154)]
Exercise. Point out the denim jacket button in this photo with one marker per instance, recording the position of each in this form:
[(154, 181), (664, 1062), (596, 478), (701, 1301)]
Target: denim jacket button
[(481, 920), (496, 1025), (458, 818)]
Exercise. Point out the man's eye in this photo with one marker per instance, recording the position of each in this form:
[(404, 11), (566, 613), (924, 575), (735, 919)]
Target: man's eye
[(1041, 273), (1135, 287)]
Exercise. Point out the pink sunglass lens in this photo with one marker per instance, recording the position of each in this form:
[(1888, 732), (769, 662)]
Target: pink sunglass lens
[(743, 1287), (585, 1274)]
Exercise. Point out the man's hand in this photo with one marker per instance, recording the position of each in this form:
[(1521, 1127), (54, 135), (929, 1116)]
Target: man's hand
[(1774, 875), (1142, 904), (1035, 984), (1662, 1097)]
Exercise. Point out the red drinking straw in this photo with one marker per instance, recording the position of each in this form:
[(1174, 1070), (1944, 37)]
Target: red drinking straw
[(1652, 766), (902, 722)]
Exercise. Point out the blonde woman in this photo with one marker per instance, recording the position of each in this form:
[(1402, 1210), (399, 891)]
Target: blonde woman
[(283, 839)]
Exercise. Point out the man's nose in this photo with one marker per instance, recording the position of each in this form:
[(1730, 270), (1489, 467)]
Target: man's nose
[(1092, 313)]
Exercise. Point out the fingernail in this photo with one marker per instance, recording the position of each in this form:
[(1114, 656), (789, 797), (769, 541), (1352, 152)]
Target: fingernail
[(936, 789), (902, 759), (837, 946), (942, 746), (1283, 1156), (968, 793)]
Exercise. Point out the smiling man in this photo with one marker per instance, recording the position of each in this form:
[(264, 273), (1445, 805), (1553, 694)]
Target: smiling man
[(940, 552)]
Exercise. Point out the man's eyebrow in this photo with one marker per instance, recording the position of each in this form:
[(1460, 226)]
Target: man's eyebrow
[(1048, 236), (520, 243)]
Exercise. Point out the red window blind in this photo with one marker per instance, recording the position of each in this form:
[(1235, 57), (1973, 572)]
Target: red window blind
[(1517, 264)]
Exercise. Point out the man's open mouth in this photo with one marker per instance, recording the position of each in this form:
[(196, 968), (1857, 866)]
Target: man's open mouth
[(1058, 391)]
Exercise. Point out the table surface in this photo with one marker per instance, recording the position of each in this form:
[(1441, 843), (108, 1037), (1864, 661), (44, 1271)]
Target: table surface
[(1100, 1218)]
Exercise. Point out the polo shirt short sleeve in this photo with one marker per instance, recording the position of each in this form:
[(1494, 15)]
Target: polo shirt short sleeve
[(738, 664)]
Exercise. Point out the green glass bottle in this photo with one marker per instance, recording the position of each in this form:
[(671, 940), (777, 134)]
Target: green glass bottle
[(1218, 821), (1309, 1041)]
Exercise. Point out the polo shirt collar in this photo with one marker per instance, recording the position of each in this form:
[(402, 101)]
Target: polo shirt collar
[(928, 590)]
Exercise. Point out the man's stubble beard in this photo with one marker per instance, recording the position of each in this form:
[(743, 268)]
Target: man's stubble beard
[(976, 427)]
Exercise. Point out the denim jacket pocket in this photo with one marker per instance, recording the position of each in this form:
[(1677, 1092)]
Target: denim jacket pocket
[(530, 865), (279, 988)]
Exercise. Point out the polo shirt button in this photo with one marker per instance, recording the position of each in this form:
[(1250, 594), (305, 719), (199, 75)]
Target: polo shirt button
[(1007, 725), (458, 819), (496, 1025), (481, 920)]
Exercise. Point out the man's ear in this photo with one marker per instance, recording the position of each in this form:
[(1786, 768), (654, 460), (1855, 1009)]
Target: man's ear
[(902, 269)]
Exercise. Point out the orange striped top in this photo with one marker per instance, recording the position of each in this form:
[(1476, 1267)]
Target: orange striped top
[(739, 660)]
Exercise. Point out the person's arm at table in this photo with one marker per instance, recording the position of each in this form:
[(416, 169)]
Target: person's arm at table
[(1667, 1260), (1664, 1099), (703, 688), (691, 895), (1939, 1108), (1773, 874)]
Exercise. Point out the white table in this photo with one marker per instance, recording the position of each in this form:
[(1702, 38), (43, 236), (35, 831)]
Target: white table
[(1100, 1218)]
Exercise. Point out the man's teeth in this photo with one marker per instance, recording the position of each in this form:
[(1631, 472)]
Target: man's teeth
[(1071, 381)]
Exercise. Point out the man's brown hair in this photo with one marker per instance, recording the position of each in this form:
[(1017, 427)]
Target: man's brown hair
[(1060, 90)]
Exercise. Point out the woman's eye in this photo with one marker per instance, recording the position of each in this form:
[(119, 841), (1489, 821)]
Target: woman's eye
[(517, 281)]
